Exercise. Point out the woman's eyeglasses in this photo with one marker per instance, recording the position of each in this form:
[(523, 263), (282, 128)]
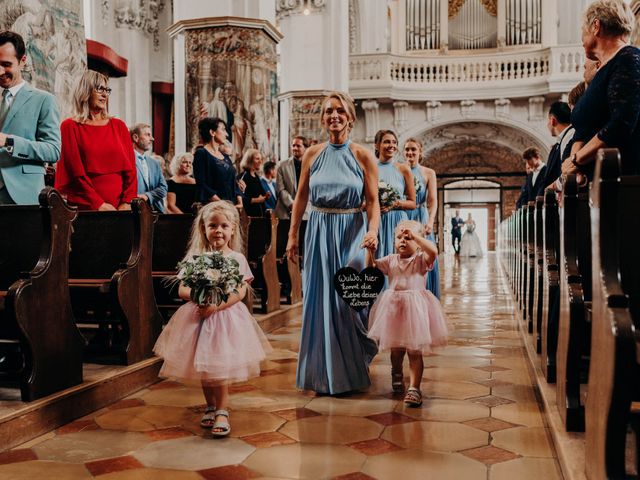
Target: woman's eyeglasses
[(105, 90)]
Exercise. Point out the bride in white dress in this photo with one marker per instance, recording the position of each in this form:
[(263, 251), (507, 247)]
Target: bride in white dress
[(470, 243)]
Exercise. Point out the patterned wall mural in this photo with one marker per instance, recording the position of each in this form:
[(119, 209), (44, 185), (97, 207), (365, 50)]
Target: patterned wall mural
[(305, 118), (53, 31), (231, 74)]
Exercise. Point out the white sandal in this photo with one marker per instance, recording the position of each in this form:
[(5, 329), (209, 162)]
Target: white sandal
[(222, 425), (208, 419)]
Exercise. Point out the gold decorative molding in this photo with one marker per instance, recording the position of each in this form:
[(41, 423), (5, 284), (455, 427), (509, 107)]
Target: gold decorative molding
[(490, 6)]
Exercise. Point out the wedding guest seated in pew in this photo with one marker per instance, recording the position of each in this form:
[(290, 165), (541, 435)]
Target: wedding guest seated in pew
[(607, 114), (255, 196), (40, 346), (97, 167), (268, 180), (182, 186)]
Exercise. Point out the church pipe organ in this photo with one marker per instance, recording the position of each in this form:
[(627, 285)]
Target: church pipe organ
[(471, 24)]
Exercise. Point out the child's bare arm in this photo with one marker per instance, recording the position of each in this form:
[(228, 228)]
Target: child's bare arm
[(369, 259), (428, 247), (184, 293)]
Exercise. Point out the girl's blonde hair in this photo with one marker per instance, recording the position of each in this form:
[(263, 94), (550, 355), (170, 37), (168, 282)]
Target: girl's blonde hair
[(89, 81), (415, 227), (198, 243), (247, 158)]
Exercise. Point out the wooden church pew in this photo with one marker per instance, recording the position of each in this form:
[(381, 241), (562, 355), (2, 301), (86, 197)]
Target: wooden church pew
[(538, 265), (550, 287), (575, 285), (111, 284), (614, 376), (38, 332), (170, 241), (531, 267), (261, 255)]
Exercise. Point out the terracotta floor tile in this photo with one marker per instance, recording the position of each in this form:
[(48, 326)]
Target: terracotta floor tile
[(229, 472), (286, 360), (492, 383), (77, 426), (491, 401), (241, 388), (332, 429), (109, 465), (127, 403), (391, 418), (266, 373), (269, 439), (38, 469), (374, 447), (490, 455), (527, 469), (354, 476), (489, 424), (167, 433), (491, 368), (165, 385), (18, 455), (296, 413)]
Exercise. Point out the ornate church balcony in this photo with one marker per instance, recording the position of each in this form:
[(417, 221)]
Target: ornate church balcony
[(510, 73)]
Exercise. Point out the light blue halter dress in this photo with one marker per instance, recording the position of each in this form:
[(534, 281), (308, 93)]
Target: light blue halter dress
[(389, 173), (421, 214), (334, 349)]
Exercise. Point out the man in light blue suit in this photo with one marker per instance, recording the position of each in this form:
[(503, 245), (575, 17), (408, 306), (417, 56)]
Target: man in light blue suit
[(152, 187), (29, 127)]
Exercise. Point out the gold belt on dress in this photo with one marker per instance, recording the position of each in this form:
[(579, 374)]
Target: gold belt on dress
[(334, 210)]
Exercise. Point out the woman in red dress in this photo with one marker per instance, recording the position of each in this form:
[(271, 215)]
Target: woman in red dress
[(97, 168)]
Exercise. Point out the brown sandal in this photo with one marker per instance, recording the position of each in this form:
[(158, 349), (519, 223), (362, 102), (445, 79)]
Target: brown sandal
[(413, 398)]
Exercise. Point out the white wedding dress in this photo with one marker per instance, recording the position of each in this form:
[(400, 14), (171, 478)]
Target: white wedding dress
[(470, 243)]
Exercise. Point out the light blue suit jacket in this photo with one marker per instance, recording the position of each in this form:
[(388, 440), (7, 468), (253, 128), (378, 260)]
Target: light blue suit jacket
[(156, 190), (33, 122)]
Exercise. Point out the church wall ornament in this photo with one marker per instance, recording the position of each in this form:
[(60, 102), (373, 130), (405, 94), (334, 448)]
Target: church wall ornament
[(56, 51), (433, 110), (400, 115), (371, 118), (298, 7), (231, 74), (502, 106), (536, 109), (142, 15), (303, 117)]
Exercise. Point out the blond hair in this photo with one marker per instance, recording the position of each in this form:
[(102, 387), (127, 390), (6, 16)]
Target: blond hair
[(616, 17), (89, 81), (198, 243), (245, 163), (415, 227), (347, 103), (176, 160)]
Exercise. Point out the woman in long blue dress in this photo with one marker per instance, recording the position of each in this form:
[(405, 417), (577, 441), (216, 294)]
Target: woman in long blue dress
[(427, 201), (337, 176), (398, 176)]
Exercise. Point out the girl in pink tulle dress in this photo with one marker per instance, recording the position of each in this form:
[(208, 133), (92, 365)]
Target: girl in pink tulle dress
[(220, 344), (406, 316)]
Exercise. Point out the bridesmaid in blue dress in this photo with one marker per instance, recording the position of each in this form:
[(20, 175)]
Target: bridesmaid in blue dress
[(338, 177), (398, 176), (427, 201)]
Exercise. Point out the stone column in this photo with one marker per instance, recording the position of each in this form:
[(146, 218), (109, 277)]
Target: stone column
[(371, 118), (226, 66), (444, 26), (314, 60), (550, 22), (502, 23)]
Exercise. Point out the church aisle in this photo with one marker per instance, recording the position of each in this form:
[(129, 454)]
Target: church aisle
[(481, 418)]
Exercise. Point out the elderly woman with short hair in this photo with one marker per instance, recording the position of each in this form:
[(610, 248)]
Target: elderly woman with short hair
[(97, 167), (608, 114), (181, 185)]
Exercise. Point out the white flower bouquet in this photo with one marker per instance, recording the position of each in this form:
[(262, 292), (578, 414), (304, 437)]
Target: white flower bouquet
[(417, 184), (211, 276), (387, 195)]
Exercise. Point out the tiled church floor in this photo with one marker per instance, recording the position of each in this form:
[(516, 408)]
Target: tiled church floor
[(481, 418)]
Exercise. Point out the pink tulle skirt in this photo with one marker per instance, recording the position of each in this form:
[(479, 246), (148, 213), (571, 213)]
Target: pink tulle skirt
[(410, 319), (227, 346)]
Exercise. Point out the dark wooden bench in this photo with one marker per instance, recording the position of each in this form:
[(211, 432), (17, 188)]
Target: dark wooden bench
[(614, 377), (40, 343), (538, 266), (111, 284), (288, 271), (531, 266), (261, 255), (523, 236), (550, 287), (170, 241), (572, 354)]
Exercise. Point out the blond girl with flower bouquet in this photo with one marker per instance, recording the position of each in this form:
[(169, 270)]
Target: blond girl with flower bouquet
[(213, 338)]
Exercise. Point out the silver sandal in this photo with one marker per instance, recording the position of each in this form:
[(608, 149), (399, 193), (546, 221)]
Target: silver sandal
[(413, 398), (222, 425)]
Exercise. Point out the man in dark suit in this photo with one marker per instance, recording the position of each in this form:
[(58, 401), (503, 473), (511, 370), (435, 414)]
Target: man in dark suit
[(534, 184), (288, 176), (456, 231), (29, 127), (559, 125)]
